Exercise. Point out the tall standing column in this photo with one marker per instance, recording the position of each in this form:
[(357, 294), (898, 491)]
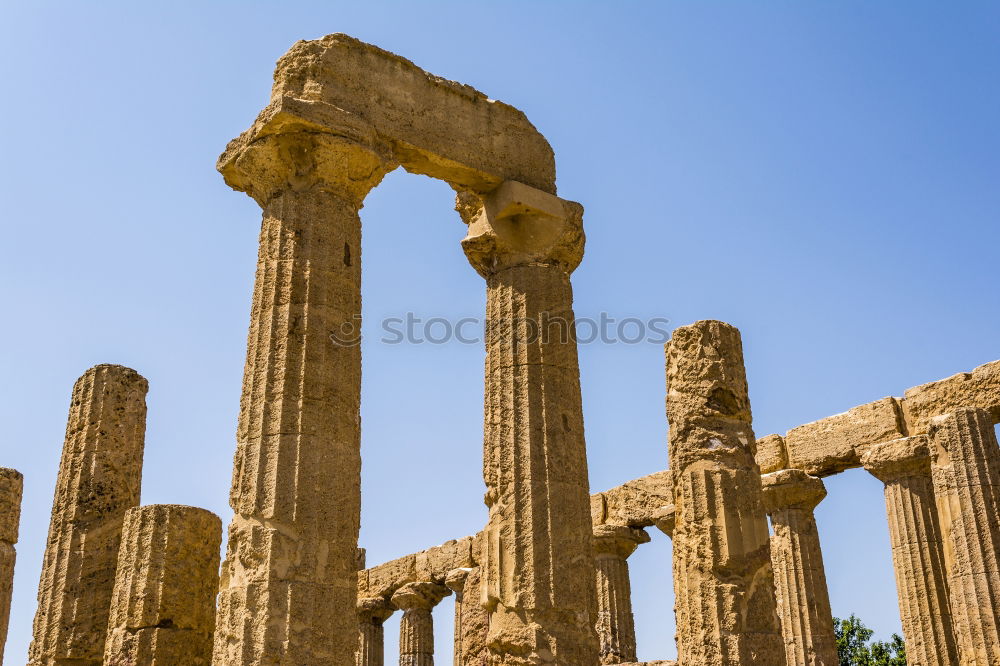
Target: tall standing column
[(11, 485), (966, 475), (100, 475), (790, 496), (289, 582), (538, 564), (904, 466), (416, 628), (163, 608), (615, 624), (472, 622), (372, 614), (723, 581)]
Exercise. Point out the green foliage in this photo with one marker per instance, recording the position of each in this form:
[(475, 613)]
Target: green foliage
[(853, 648)]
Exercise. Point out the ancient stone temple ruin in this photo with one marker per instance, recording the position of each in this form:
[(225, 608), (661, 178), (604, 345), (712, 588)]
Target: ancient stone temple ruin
[(546, 579)]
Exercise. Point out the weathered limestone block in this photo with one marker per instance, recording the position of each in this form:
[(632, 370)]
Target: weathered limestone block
[(99, 479), (615, 624), (163, 608), (472, 622), (537, 560), (723, 581), (372, 614), (790, 496), (665, 519), (289, 582), (432, 564), (829, 445), (771, 455), (340, 85), (416, 629), (966, 475), (11, 485), (630, 503), (904, 466), (979, 388)]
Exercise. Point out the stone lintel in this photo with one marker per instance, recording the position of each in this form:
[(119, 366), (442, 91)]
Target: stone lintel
[(771, 455), (979, 388), (634, 502), (432, 564)]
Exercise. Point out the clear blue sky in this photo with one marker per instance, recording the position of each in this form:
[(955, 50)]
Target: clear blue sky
[(822, 175)]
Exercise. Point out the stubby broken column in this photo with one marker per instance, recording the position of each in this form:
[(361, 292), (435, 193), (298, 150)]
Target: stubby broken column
[(11, 485), (615, 624), (537, 560), (372, 614), (163, 608), (99, 480), (904, 466), (472, 622), (966, 475), (723, 582), (289, 582), (416, 628), (790, 496)]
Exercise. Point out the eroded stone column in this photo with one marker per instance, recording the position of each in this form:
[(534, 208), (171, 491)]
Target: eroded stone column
[(538, 564), (790, 496), (100, 474), (966, 475), (372, 614), (416, 628), (163, 608), (289, 582), (723, 581), (472, 622), (11, 485), (615, 624)]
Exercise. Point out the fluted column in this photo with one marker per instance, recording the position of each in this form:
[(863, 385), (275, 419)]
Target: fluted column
[(615, 624), (289, 582), (163, 608), (904, 466), (99, 479), (790, 496), (416, 628), (723, 581), (966, 475), (538, 567), (372, 614), (11, 485), (472, 622)]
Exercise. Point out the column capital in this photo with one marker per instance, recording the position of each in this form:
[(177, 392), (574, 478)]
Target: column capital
[(456, 578), (419, 595), (665, 519), (618, 540), (898, 458), (517, 225), (375, 609), (791, 489)]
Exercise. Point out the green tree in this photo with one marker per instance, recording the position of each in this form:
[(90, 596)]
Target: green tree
[(853, 648)]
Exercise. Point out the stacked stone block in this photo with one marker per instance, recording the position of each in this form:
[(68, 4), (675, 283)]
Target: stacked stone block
[(11, 486)]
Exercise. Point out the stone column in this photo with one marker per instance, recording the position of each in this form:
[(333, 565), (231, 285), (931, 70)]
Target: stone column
[(99, 479), (966, 475), (416, 628), (372, 614), (538, 566), (615, 624), (163, 608), (289, 582), (790, 496), (904, 466), (723, 582), (472, 622), (11, 484)]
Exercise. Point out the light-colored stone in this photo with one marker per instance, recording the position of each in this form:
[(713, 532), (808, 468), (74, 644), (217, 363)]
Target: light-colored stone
[(163, 607), (615, 624), (630, 504), (372, 614), (11, 486), (904, 466), (771, 454), (790, 496), (665, 519), (432, 564), (979, 388), (472, 622), (100, 474), (416, 629), (723, 582)]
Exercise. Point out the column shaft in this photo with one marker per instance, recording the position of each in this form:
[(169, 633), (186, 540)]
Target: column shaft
[(615, 623), (11, 486), (416, 628), (99, 480), (472, 622), (372, 614)]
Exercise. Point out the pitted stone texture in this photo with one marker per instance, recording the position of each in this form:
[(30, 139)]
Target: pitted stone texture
[(632, 503), (416, 629), (289, 583), (163, 608), (771, 454), (372, 614), (904, 466), (472, 622), (724, 588), (790, 496), (99, 480), (432, 564), (665, 519), (966, 474), (11, 485), (615, 623), (979, 388)]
